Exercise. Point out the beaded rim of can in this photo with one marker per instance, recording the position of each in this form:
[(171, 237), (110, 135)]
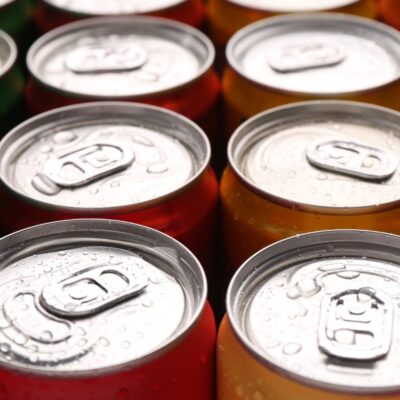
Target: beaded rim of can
[(13, 53)]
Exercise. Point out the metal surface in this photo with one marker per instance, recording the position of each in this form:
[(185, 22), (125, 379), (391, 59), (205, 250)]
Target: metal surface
[(329, 156), (103, 156), (8, 53), (112, 7), (4, 3), (90, 296), (120, 58), (322, 309), (317, 54)]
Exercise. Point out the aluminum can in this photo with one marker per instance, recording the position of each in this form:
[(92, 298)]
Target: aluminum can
[(312, 317), (308, 167), (11, 85), (390, 12), (142, 59), (51, 14), (309, 57), (123, 161), (101, 309)]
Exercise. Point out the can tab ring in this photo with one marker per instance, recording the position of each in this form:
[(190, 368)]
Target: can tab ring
[(353, 159), (92, 290), (106, 58), (304, 56), (83, 166), (356, 325)]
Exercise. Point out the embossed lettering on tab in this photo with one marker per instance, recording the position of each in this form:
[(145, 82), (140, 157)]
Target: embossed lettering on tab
[(352, 158), (298, 57)]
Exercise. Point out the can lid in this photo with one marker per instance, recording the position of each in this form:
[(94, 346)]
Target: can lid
[(6, 2), (317, 54), (330, 156), (8, 53), (112, 7), (120, 57), (103, 157), (322, 309), (82, 297)]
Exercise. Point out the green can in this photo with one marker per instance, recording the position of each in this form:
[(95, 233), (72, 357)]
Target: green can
[(11, 85)]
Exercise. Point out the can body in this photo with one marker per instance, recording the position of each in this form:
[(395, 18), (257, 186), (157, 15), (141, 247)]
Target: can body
[(390, 12), (226, 17), (48, 16)]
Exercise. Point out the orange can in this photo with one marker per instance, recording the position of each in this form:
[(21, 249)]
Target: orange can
[(390, 12), (314, 317), (228, 16), (306, 167), (309, 57)]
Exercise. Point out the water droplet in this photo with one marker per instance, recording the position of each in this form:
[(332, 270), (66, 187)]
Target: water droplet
[(331, 267), (5, 348), (126, 344), (157, 169), (115, 184), (114, 260), (272, 344), (239, 390), (82, 342), (122, 394), (47, 268), (303, 312), (322, 177), (46, 336), (291, 348), (20, 339), (104, 342), (147, 302), (258, 396), (64, 137), (46, 149), (94, 190), (307, 287), (62, 253), (330, 249), (80, 331), (348, 274)]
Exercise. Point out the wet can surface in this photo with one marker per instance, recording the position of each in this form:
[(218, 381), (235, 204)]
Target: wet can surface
[(323, 56), (312, 317), (122, 161), (11, 85), (307, 167), (228, 16), (390, 12), (144, 59), (103, 309), (54, 13)]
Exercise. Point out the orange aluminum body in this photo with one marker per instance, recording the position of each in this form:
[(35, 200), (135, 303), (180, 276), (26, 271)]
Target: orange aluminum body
[(390, 12)]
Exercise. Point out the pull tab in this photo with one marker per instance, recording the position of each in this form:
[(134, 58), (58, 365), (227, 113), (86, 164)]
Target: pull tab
[(85, 165), (298, 57), (106, 58), (92, 290), (354, 159), (356, 325)]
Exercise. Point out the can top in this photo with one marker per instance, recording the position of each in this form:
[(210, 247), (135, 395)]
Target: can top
[(8, 53), (6, 2), (120, 57), (103, 156), (318, 54), (113, 7), (294, 5), (323, 308), (83, 297), (329, 156)]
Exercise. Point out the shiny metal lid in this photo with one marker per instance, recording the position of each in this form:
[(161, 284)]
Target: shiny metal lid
[(6, 2), (294, 5), (8, 53), (120, 57), (329, 156), (103, 157), (318, 54), (323, 309), (112, 7), (84, 297)]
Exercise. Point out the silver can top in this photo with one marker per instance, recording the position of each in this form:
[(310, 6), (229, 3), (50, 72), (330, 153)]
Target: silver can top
[(120, 58), (4, 3), (8, 53), (284, 6), (83, 297), (113, 7), (323, 309), (317, 54), (330, 156), (101, 157)]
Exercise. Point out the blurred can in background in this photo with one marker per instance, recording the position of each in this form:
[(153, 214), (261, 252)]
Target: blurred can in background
[(390, 12)]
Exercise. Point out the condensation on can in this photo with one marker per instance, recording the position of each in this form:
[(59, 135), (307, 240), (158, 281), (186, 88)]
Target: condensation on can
[(307, 167), (314, 316), (309, 57)]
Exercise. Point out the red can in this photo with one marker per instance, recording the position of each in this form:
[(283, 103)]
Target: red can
[(101, 309), (122, 161), (145, 59), (54, 13)]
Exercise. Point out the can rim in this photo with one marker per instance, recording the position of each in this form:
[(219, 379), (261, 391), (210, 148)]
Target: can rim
[(252, 126), (31, 237), (310, 17), (132, 21), (276, 251), (21, 129), (49, 3), (5, 68)]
